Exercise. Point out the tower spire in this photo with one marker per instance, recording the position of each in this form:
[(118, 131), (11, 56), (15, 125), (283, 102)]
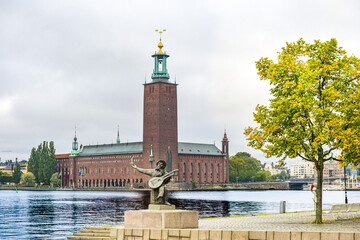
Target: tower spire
[(225, 144), (118, 136), (160, 71), (75, 144), (151, 157)]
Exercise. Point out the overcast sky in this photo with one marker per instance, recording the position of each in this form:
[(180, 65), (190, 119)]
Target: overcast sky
[(84, 62)]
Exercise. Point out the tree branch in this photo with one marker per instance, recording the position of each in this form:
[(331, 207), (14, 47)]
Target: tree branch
[(304, 158)]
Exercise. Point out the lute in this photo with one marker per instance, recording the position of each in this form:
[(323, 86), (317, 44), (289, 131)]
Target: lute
[(156, 182)]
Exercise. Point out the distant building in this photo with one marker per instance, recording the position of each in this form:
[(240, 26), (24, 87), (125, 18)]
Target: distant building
[(302, 169), (269, 166), (332, 170), (108, 165), (10, 168)]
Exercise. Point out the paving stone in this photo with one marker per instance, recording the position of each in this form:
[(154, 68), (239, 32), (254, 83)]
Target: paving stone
[(270, 235), (226, 235), (155, 234), (330, 235), (347, 236), (194, 234), (357, 236), (311, 236), (282, 235), (240, 235), (174, 232), (257, 235), (215, 234), (203, 234), (185, 233)]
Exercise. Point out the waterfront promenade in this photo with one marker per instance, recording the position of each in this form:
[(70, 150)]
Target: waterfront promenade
[(286, 226), (296, 221)]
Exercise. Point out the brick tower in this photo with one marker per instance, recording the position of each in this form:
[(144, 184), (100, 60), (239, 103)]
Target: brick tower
[(225, 151), (160, 115)]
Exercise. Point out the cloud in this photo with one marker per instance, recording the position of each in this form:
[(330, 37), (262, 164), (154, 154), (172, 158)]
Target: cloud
[(78, 62)]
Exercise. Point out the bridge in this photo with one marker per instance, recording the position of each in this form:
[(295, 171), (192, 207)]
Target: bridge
[(297, 184)]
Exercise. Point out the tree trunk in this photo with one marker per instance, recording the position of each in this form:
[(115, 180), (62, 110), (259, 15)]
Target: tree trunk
[(319, 170)]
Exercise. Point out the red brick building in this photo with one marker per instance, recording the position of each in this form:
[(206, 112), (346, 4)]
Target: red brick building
[(108, 165)]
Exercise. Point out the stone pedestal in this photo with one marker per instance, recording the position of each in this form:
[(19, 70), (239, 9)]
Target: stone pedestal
[(161, 207), (176, 219)]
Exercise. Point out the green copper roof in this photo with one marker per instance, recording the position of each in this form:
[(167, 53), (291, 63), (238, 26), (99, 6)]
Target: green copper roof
[(137, 147), (107, 149), (198, 149)]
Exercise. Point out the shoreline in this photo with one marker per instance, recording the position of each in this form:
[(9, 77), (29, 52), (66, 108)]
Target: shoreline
[(148, 189)]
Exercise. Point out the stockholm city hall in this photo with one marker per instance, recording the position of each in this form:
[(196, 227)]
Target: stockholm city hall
[(108, 165)]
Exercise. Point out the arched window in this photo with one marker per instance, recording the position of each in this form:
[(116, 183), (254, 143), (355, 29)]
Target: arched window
[(211, 173), (184, 172), (198, 171), (191, 171)]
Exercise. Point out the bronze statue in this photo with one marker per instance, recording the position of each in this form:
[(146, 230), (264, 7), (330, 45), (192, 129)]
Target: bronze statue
[(159, 178)]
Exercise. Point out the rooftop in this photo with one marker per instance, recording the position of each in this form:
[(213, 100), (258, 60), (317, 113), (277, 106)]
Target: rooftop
[(137, 147)]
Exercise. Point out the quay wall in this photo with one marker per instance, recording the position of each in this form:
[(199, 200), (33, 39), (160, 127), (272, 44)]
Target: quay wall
[(181, 187), (197, 234)]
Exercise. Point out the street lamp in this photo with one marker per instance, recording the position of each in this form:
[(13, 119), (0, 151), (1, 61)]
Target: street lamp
[(236, 173), (346, 199)]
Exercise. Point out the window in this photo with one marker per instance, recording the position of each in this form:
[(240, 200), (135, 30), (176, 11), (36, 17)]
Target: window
[(184, 172), (205, 173), (198, 172), (191, 171)]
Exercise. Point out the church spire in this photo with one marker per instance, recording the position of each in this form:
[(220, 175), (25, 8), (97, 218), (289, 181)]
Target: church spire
[(151, 157), (118, 136), (225, 144), (160, 72), (75, 144)]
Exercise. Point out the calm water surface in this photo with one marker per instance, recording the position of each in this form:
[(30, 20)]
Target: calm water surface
[(59, 214)]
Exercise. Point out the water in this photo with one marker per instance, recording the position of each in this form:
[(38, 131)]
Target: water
[(59, 214)]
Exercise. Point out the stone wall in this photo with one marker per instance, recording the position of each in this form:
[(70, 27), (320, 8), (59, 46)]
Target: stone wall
[(197, 234), (266, 185)]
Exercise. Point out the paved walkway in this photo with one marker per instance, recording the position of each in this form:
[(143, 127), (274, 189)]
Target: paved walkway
[(299, 221)]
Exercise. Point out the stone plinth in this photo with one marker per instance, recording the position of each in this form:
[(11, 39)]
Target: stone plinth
[(176, 219), (161, 207)]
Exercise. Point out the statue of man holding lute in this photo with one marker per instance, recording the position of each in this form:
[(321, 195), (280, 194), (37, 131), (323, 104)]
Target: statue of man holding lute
[(159, 178)]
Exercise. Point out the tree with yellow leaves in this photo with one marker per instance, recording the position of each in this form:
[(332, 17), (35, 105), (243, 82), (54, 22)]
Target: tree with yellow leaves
[(314, 112)]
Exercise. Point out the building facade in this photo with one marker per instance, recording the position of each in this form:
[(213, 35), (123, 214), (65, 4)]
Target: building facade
[(302, 169), (108, 165), (332, 171)]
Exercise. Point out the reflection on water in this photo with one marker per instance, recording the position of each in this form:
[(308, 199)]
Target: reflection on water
[(58, 214)]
